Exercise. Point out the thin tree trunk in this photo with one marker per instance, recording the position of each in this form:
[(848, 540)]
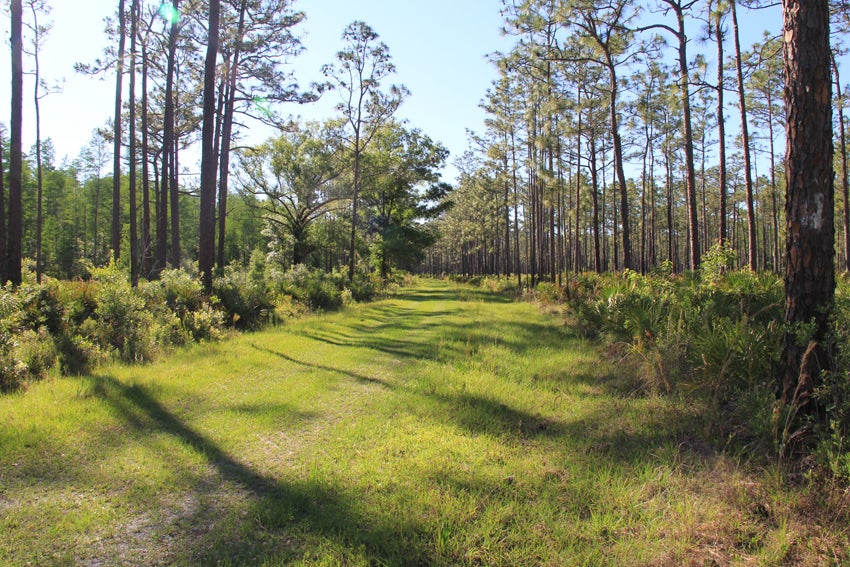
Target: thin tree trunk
[(39, 223), (845, 181), (745, 137), (167, 144), (693, 221), (174, 188), (227, 133), (618, 166), (147, 257), (117, 133), (13, 242), (134, 229), (3, 260), (721, 128)]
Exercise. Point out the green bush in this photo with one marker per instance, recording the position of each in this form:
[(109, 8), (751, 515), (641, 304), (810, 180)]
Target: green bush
[(715, 337), (123, 323), (37, 351), (245, 299), (77, 354), (313, 287)]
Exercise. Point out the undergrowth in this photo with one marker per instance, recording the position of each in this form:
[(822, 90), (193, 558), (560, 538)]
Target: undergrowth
[(72, 326)]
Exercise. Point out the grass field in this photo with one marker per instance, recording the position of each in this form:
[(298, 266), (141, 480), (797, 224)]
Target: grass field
[(442, 426)]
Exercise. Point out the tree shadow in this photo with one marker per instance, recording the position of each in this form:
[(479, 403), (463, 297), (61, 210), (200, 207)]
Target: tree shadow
[(362, 378), (281, 511)]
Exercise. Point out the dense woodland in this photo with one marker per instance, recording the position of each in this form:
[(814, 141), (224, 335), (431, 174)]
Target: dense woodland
[(622, 137)]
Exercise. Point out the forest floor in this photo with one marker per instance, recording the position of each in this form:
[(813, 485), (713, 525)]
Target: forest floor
[(443, 425)]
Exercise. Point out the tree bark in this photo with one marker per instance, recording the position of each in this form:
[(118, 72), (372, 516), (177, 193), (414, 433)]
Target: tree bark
[(134, 228), (809, 207), (206, 237), (117, 133), (227, 133), (2, 216), (721, 129), (13, 243), (167, 149)]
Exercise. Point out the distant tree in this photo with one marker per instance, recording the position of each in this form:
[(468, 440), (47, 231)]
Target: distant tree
[(401, 180), (292, 181), (809, 207), (745, 139), (15, 226), (357, 74), (209, 160), (39, 91)]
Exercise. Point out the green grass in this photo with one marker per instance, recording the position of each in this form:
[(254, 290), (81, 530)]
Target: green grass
[(444, 425)]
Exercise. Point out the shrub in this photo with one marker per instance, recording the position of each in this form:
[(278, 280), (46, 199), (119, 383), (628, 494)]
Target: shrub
[(37, 351), (124, 325), (77, 354), (245, 300), (312, 287)]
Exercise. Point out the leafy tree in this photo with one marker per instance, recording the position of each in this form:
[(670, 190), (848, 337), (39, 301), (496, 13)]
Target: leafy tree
[(357, 74), (401, 175), (293, 180)]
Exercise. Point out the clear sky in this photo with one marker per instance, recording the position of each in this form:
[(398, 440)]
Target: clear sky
[(438, 47)]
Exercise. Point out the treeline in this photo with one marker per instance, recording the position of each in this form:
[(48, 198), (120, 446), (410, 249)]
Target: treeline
[(349, 192), (631, 135)]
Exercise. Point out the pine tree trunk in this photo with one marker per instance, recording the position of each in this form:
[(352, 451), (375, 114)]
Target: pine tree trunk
[(206, 239), (134, 228), (809, 207), (845, 179), (3, 260), (721, 130), (15, 226), (745, 137), (693, 221), (117, 133), (167, 148), (147, 257)]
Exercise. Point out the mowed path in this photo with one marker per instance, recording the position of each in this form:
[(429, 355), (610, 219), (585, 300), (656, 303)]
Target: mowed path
[(444, 425)]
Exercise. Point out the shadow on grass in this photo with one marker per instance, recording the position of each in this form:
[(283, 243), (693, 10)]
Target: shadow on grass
[(279, 511), (460, 293), (356, 376)]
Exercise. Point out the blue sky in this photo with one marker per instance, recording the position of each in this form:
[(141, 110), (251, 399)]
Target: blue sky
[(439, 48)]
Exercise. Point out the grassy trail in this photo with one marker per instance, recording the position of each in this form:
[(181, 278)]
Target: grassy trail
[(442, 426)]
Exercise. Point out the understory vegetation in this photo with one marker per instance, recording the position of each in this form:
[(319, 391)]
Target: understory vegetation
[(72, 326)]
